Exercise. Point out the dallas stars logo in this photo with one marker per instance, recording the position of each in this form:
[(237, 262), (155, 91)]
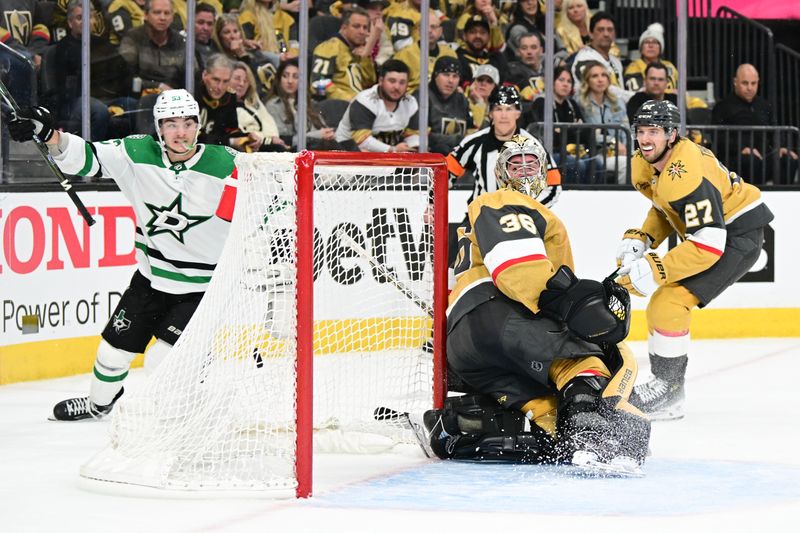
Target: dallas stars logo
[(120, 323), (171, 219), (676, 169)]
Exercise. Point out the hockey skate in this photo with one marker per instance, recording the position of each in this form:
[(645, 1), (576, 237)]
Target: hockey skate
[(659, 399), (82, 409)]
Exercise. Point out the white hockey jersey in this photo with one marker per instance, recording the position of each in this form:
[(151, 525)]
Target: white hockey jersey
[(374, 128), (178, 237)]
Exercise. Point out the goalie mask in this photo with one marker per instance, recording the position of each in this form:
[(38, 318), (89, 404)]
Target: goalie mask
[(176, 103), (521, 166)]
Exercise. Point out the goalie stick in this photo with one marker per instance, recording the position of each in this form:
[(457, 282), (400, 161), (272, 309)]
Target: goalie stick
[(380, 267), (48, 159)]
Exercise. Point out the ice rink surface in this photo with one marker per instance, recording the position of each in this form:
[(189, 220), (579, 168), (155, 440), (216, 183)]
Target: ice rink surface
[(732, 465)]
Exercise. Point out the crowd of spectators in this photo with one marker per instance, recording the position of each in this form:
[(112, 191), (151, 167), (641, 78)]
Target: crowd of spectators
[(364, 73)]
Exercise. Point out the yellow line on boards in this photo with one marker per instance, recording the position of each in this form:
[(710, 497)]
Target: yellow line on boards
[(731, 323), (49, 359), (66, 357)]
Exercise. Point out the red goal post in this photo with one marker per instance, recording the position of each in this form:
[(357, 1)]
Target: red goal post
[(306, 163)]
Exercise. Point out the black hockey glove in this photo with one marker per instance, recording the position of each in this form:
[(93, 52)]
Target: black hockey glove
[(585, 306), (31, 121)]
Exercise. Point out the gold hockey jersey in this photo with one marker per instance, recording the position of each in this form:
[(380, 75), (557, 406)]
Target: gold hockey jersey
[(402, 20), (511, 244), (338, 73), (700, 199), (124, 15), (634, 75)]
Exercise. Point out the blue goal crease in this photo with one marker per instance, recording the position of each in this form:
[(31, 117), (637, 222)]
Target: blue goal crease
[(670, 487)]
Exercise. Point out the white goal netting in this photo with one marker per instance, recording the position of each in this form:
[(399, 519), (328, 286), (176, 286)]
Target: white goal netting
[(219, 413)]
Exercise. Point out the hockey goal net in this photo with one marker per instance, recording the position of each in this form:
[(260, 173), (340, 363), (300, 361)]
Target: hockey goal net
[(327, 304)]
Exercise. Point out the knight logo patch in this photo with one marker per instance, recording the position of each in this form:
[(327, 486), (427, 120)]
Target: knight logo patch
[(19, 24), (676, 169)]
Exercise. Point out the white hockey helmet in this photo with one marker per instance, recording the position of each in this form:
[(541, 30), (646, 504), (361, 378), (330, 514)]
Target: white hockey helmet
[(175, 103), (529, 174)]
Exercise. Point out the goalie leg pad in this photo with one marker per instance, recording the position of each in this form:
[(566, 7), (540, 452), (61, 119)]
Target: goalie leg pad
[(629, 426), (475, 427)]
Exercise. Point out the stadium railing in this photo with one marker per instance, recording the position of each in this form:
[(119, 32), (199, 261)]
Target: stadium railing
[(771, 142), (787, 100)]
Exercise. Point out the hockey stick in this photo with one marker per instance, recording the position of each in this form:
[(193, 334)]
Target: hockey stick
[(381, 268), (42, 147)]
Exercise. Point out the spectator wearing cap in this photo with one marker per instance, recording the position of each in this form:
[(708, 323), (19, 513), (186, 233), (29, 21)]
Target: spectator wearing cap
[(410, 55), (602, 28), (495, 21), (527, 72), (474, 51), (651, 46), (477, 153), (382, 118), (487, 78), (341, 67), (449, 117)]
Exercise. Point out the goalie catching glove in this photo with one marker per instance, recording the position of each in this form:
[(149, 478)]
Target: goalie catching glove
[(643, 276), (633, 246), (593, 311)]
